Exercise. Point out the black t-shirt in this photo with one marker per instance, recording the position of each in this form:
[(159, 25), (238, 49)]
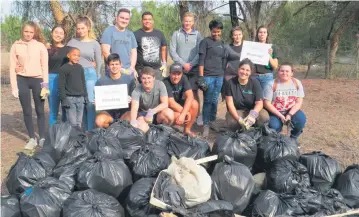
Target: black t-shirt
[(149, 48), (57, 58), (177, 91), (212, 56), (244, 96), (232, 65), (260, 69)]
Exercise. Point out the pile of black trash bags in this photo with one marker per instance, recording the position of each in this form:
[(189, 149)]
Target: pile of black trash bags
[(112, 173)]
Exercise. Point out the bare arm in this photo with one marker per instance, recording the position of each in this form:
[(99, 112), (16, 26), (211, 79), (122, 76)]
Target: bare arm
[(163, 105), (164, 53), (105, 50), (297, 106), (201, 70), (172, 104), (258, 106), (231, 108), (273, 62), (268, 105), (187, 104), (134, 109), (133, 57)]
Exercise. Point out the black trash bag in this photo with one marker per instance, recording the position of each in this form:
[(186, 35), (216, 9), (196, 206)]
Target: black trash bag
[(269, 204), (148, 161), (105, 174), (322, 169), (129, 137), (67, 168), (186, 146), (255, 133), (138, 200), (100, 140), (233, 182), (171, 194), (24, 173), (159, 134), (348, 185), (91, 203), (57, 141), (46, 161), (274, 147), (333, 202), (212, 208), (44, 199), (285, 175), (241, 147), (10, 206)]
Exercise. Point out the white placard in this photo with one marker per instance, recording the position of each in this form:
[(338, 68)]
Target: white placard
[(111, 97), (256, 52)]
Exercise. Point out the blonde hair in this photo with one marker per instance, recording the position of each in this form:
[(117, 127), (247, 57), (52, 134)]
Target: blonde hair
[(38, 36), (88, 22), (188, 14)]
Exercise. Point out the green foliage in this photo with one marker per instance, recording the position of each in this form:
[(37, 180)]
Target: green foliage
[(10, 31), (165, 15)]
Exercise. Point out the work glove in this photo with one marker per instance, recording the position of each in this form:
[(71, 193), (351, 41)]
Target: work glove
[(15, 93), (202, 84), (250, 119), (149, 116), (65, 103), (45, 92), (134, 123), (164, 69), (241, 122)]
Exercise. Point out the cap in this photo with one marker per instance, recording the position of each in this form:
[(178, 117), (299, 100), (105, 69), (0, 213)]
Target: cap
[(176, 67)]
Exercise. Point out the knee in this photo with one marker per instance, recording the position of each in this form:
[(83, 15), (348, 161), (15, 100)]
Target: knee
[(275, 123), (299, 119), (195, 105), (103, 120), (263, 117), (166, 116)]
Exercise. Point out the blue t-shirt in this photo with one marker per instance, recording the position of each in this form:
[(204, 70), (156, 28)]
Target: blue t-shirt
[(121, 43)]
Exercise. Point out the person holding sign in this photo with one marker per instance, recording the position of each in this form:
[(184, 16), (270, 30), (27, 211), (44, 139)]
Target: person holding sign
[(105, 118), (72, 88), (283, 98), (150, 101), (265, 72), (181, 99), (244, 99)]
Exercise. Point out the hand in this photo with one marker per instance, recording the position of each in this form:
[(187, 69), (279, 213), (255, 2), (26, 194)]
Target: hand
[(48, 45), (45, 92), (15, 93), (202, 84), (251, 119), (134, 123), (65, 103), (187, 67), (180, 119), (149, 116), (288, 118), (241, 122), (164, 69), (129, 99), (93, 64), (282, 118), (19, 68), (86, 100)]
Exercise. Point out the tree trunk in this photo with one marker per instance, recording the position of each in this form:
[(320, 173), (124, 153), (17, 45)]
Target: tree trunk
[(183, 7), (327, 60), (357, 57), (57, 11), (233, 13)]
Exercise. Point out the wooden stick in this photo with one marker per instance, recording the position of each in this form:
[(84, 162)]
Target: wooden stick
[(351, 212)]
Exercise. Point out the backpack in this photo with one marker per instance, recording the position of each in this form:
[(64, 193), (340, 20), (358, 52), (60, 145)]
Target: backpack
[(276, 81)]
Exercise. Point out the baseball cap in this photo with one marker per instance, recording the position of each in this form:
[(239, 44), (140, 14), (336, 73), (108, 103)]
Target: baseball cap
[(176, 67)]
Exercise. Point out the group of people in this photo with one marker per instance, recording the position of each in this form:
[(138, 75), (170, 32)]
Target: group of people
[(67, 73)]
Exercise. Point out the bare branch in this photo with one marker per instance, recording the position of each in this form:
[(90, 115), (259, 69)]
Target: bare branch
[(217, 8), (335, 19), (302, 8)]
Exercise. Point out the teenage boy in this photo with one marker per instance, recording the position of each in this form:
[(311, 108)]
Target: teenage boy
[(105, 118), (152, 47), (118, 39), (150, 101), (180, 98)]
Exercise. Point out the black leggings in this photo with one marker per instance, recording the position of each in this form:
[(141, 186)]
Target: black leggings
[(25, 84)]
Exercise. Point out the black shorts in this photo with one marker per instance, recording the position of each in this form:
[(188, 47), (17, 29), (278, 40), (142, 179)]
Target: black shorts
[(193, 77)]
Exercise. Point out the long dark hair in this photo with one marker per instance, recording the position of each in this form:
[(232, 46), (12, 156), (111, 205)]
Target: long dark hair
[(53, 49), (267, 39), (248, 62)]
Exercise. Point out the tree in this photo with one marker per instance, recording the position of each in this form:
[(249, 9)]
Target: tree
[(10, 31)]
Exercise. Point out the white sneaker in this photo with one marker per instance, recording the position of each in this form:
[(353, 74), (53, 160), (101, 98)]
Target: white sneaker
[(41, 142), (200, 121), (31, 144), (205, 131)]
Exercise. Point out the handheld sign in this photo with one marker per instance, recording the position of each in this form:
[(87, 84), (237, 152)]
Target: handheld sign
[(256, 52), (111, 97)]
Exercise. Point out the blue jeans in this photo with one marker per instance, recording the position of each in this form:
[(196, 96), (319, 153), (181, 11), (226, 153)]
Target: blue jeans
[(75, 111), (265, 79), (210, 98), (54, 99), (90, 113), (298, 121)]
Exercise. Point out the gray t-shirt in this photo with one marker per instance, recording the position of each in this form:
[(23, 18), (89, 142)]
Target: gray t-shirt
[(285, 95), (149, 100), (90, 52), (121, 43)]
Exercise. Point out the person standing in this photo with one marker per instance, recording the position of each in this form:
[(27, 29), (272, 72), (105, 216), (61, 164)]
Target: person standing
[(152, 47), (213, 57), (236, 45), (57, 58), (118, 39), (72, 88), (264, 74), (90, 51), (29, 71)]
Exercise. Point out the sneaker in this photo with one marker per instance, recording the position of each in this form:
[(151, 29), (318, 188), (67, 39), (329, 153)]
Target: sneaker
[(31, 144), (205, 131), (41, 142), (200, 121)]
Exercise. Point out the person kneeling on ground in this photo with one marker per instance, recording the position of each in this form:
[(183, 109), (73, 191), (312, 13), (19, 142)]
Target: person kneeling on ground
[(283, 98), (105, 118), (181, 99), (150, 101), (244, 99)]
